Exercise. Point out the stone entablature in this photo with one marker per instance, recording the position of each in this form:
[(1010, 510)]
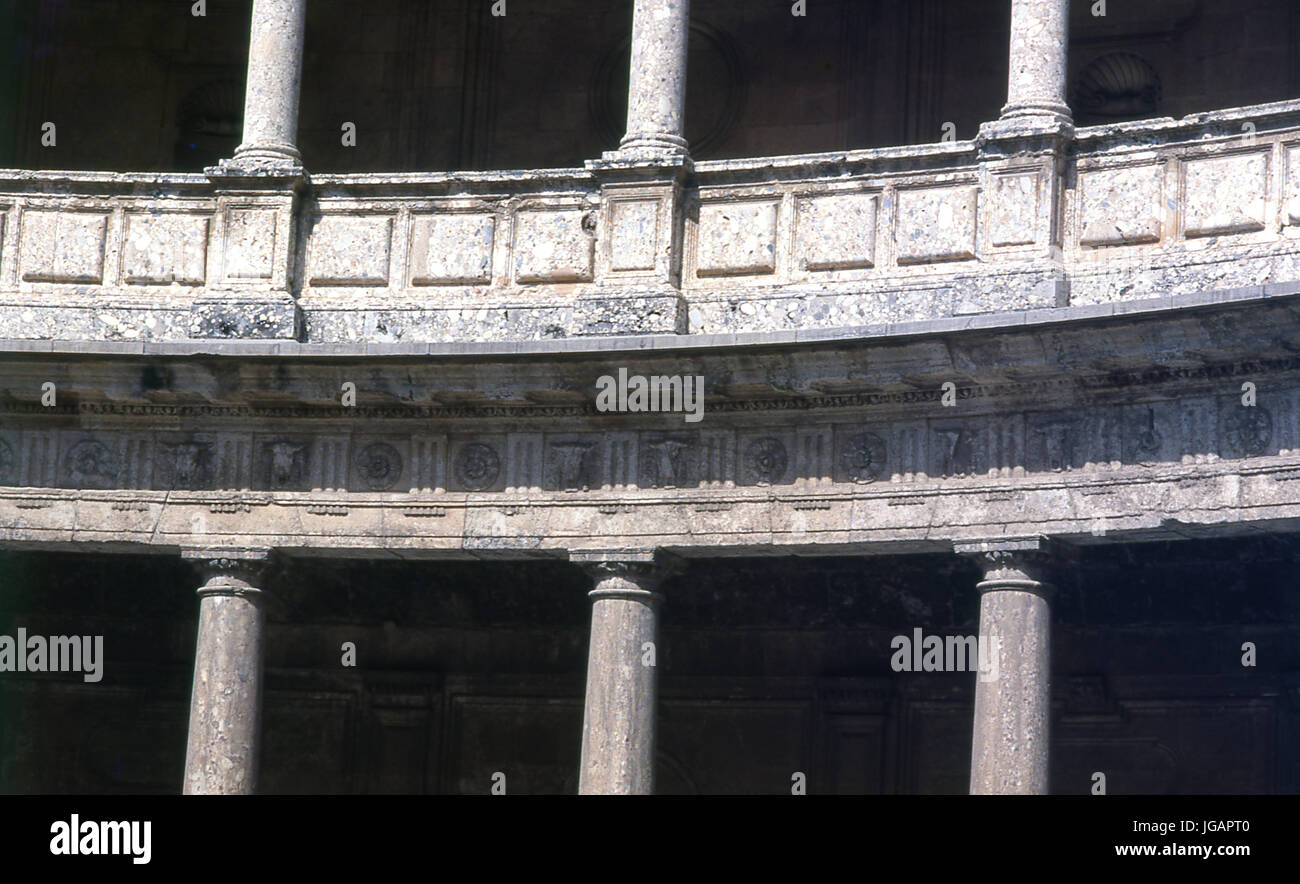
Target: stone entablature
[(638, 246), (1135, 426)]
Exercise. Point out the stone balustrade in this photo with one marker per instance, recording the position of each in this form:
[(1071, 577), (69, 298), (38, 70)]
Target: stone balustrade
[(1115, 213)]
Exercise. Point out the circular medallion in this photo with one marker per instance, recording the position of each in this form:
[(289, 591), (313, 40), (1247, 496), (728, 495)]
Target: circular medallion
[(380, 466), (477, 466)]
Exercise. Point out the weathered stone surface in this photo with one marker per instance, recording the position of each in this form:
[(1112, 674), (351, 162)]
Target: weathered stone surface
[(63, 246), (735, 238), (553, 246), (1120, 207), (1225, 194), (936, 224), (1009, 750), (452, 249), (836, 232), (350, 251), (250, 244), (226, 706), (656, 105), (164, 249), (1013, 209)]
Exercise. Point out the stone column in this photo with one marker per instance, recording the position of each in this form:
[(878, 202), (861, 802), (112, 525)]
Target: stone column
[(656, 95), (226, 706), (274, 84), (1013, 691), (618, 727), (1039, 42)]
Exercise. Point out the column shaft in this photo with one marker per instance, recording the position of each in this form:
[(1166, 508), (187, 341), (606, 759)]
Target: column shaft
[(618, 728), (1039, 43), (274, 81), (1013, 692), (656, 97), (226, 705)]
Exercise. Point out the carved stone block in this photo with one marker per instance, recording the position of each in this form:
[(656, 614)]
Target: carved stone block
[(1225, 194), (250, 243), (736, 238), (836, 232), (1013, 209), (1120, 207), (350, 251), (936, 224), (166, 248), (634, 237), (553, 246), (452, 249), (63, 246)]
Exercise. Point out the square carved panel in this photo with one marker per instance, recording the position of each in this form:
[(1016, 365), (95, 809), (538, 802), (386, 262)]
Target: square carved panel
[(166, 248), (452, 249), (350, 251), (63, 246), (736, 238), (836, 232)]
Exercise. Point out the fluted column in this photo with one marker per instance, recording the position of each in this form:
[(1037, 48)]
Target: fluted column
[(226, 705), (656, 95), (618, 727), (274, 84), (1039, 43), (1009, 746)]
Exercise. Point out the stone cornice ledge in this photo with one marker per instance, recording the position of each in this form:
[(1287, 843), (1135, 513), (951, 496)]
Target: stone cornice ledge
[(798, 338)]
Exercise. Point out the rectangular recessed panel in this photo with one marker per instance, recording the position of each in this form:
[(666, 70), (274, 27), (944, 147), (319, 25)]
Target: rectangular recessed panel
[(167, 248), (634, 237), (936, 224), (836, 232), (1121, 207), (736, 238), (1225, 194), (1013, 209), (63, 246), (452, 249), (250, 243), (350, 251), (553, 246)]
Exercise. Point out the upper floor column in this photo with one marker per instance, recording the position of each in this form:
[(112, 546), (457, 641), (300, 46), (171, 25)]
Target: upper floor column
[(1039, 42), (274, 84), (656, 98)]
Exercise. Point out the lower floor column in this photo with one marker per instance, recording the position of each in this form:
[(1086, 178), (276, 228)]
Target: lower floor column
[(1013, 693), (226, 705), (618, 727)]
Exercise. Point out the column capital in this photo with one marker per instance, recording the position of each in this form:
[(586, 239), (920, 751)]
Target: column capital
[(237, 571), (627, 573), (1013, 563)]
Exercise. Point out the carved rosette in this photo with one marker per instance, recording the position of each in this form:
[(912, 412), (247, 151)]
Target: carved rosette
[(1250, 429), (477, 466), (863, 457), (766, 460), (91, 463), (380, 466)]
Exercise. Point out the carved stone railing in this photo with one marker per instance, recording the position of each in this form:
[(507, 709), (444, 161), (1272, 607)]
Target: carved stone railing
[(999, 224)]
